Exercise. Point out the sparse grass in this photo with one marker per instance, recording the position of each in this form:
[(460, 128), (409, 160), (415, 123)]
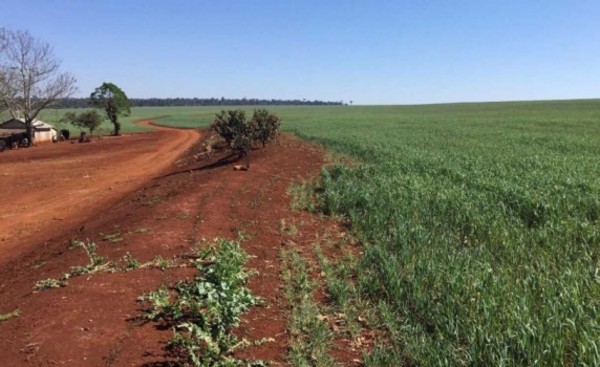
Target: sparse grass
[(112, 237), (100, 264), (183, 216), (9, 315), (342, 291), (304, 196), (310, 336), (287, 228), (49, 283)]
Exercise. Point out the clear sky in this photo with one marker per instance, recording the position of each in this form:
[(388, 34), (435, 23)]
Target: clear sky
[(370, 52)]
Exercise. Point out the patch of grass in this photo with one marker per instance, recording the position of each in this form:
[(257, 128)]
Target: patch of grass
[(10, 315), (142, 230), (287, 228), (112, 237), (100, 264), (204, 310), (183, 216), (310, 337), (304, 196), (49, 283), (342, 291)]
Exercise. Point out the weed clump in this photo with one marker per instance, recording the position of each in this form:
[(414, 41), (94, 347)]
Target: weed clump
[(203, 311)]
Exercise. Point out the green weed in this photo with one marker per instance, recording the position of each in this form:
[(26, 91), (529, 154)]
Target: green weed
[(204, 310), (49, 283), (9, 315), (310, 337)]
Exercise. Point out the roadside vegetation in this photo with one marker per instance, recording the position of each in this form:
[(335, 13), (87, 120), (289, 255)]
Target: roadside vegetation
[(481, 229), (203, 311), (241, 135), (310, 336)]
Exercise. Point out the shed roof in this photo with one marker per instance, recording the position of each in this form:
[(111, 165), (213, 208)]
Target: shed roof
[(19, 124)]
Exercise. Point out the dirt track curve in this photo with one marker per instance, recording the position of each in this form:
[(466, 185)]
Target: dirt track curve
[(48, 188)]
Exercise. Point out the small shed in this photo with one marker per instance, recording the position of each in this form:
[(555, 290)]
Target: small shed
[(41, 131)]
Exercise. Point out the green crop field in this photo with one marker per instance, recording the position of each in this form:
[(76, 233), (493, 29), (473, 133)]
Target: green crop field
[(481, 224)]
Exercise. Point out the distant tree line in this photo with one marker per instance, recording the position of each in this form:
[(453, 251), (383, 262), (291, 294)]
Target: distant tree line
[(160, 102)]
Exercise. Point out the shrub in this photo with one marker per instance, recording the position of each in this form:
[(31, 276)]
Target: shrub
[(90, 120), (233, 127), (240, 135), (265, 126)]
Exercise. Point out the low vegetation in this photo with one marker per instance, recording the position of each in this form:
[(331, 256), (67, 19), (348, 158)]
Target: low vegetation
[(203, 311), (9, 315), (310, 336), (90, 120), (100, 264), (481, 229)]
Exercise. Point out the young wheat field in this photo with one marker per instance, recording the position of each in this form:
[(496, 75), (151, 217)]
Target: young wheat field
[(480, 224)]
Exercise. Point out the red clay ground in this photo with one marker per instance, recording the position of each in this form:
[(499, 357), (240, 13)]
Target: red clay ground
[(91, 322), (53, 186)]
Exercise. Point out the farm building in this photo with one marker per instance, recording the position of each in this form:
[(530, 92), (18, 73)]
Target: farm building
[(41, 130)]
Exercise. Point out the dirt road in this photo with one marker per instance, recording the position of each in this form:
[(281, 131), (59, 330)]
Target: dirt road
[(47, 189)]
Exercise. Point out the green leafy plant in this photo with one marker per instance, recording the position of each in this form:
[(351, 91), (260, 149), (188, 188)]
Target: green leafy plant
[(90, 120), (113, 101), (240, 134), (96, 262), (265, 126), (207, 308)]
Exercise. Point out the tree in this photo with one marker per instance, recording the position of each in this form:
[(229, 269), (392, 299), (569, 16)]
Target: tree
[(237, 132), (113, 101), (240, 134), (265, 126), (30, 77), (90, 120)]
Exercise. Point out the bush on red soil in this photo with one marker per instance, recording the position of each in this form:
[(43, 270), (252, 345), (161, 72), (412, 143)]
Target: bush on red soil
[(240, 135), (265, 126)]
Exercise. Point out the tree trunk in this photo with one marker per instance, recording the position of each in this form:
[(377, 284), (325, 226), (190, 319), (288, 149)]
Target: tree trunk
[(117, 128), (29, 132)]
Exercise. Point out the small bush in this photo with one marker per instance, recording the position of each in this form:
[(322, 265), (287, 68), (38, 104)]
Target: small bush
[(233, 127), (265, 126), (240, 134)]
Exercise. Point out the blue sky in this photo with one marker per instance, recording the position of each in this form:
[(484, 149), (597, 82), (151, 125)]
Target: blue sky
[(370, 52)]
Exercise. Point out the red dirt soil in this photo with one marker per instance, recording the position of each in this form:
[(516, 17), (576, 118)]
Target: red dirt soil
[(92, 321), (53, 186)]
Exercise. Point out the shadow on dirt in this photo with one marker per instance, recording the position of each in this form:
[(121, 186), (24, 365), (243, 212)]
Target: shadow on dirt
[(228, 159)]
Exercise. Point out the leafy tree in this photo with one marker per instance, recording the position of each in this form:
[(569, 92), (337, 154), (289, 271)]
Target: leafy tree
[(113, 101), (240, 134), (265, 126), (30, 77), (237, 132), (90, 120)]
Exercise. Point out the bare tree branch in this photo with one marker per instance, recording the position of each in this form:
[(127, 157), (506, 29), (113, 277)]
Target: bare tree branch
[(30, 79)]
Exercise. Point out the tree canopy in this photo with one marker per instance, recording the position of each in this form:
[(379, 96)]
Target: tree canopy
[(113, 101), (90, 120)]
